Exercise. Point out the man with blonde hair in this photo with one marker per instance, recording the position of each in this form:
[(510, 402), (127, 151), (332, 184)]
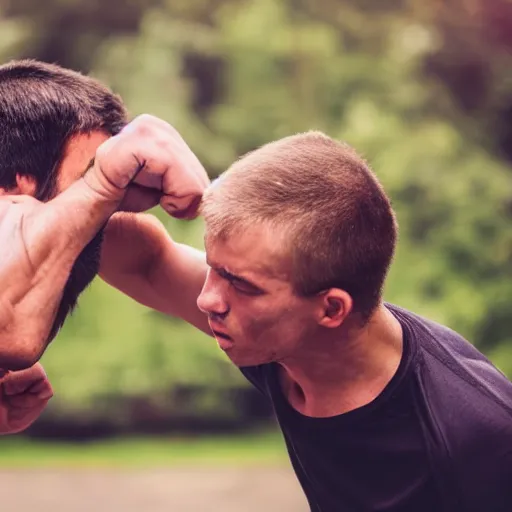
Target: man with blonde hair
[(381, 410)]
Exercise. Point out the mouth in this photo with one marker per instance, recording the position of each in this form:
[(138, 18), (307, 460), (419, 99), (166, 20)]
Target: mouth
[(219, 334), (225, 342)]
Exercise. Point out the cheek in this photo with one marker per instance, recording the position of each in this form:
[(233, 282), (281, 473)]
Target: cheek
[(248, 318), (260, 328), (272, 326)]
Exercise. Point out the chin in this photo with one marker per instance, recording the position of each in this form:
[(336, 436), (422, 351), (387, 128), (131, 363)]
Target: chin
[(241, 359)]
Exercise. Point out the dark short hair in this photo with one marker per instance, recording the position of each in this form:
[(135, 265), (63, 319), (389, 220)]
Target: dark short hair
[(335, 221), (41, 106)]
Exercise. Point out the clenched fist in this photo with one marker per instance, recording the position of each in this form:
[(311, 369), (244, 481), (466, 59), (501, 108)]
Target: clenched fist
[(23, 397), (150, 163)]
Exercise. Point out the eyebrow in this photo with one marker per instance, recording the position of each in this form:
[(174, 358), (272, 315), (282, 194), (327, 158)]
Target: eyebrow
[(232, 277)]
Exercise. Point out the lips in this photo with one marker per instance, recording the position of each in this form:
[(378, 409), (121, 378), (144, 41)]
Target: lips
[(217, 329), (224, 340), (224, 344), (220, 334)]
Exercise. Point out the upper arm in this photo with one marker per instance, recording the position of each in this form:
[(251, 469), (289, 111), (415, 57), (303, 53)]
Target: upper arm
[(140, 259), (29, 284)]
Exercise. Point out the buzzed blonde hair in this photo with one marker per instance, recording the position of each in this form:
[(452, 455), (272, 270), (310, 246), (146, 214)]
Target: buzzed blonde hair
[(326, 207)]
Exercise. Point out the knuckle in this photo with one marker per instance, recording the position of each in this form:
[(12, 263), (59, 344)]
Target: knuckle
[(144, 125), (145, 118), (163, 142), (173, 132)]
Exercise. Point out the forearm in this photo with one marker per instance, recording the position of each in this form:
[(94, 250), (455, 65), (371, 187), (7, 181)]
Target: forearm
[(39, 247)]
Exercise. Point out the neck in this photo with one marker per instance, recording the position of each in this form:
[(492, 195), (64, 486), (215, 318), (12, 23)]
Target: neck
[(346, 369)]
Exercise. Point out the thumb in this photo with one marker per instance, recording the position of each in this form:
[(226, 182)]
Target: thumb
[(116, 163), (139, 198)]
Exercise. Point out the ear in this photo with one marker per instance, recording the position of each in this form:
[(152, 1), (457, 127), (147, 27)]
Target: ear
[(25, 185), (335, 306)]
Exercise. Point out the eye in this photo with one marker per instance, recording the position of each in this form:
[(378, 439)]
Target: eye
[(239, 285), (244, 288)]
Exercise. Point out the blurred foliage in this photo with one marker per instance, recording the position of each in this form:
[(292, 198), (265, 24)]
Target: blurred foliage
[(422, 89)]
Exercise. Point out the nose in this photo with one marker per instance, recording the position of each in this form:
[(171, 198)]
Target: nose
[(211, 299)]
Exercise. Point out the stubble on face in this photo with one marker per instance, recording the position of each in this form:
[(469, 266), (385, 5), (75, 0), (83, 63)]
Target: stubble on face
[(78, 155)]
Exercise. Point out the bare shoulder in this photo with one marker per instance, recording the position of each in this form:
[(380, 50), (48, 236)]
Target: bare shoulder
[(5, 211), (14, 207)]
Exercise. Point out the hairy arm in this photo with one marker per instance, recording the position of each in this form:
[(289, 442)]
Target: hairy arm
[(39, 243), (140, 259)]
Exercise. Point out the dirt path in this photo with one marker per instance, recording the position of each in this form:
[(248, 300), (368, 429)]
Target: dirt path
[(169, 490)]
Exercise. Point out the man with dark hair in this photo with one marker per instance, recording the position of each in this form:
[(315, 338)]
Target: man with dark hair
[(51, 122), (381, 410), (65, 168)]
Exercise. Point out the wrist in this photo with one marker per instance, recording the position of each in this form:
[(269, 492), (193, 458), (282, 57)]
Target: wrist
[(102, 188), (80, 212)]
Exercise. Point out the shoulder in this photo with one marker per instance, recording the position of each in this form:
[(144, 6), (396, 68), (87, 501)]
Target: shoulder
[(466, 406), (454, 367)]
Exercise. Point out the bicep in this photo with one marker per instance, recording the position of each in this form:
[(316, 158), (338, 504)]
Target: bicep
[(176, 281), (140, 259)]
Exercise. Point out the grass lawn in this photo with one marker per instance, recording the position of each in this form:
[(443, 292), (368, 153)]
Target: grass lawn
[(260, 449)]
